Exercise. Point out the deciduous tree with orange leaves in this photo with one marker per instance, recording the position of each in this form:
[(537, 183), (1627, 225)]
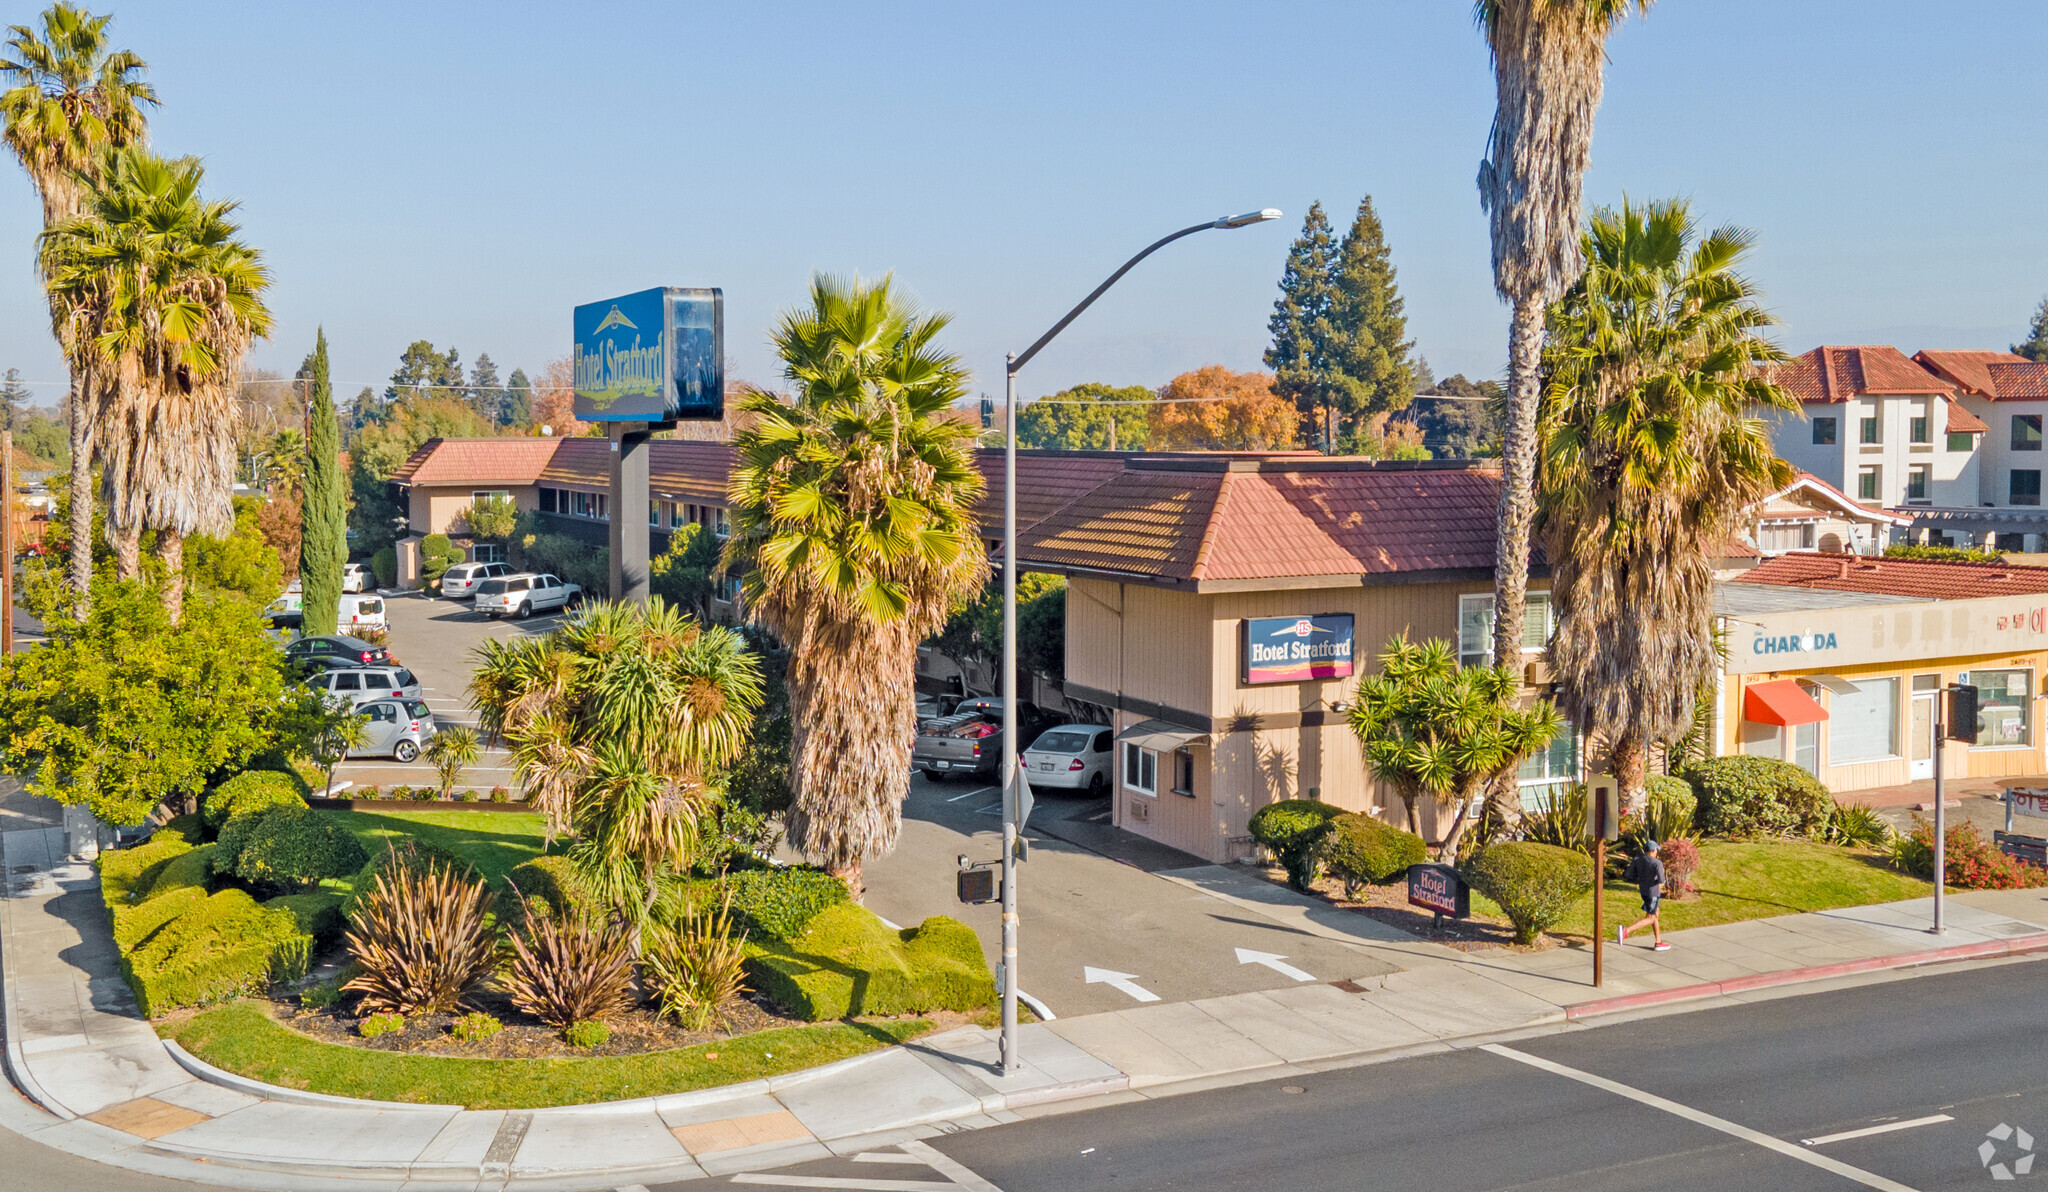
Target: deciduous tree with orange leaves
[(1215, 409)]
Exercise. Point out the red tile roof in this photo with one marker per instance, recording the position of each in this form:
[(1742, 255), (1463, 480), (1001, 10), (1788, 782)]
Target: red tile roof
[(1897, 577), (1833, 374), (1969, 370), (2026, 381), (1961, 421), (458, 462)]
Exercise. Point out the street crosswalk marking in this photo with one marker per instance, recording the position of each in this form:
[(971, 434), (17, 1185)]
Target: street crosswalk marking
[(958, 1177)]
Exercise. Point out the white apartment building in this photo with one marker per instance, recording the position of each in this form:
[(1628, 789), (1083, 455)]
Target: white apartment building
[(2010, 394), (1879, 428)]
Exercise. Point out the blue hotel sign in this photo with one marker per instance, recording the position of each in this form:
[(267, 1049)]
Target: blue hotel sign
[(654, 356), (1295, 649)]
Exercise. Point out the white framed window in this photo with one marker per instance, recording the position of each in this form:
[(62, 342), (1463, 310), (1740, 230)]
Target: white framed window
[(487, 552), (1863, 725), (721, 522), (1551, 771), (1475, 627), (485, 494), (1783, 537), (1141, 769), (2005, 707)]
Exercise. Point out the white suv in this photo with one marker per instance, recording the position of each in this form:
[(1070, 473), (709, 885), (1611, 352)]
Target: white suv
[(525, 594), (356, 577), (461, 580), (360, 684)]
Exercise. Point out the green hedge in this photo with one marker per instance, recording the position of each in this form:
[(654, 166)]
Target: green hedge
[(186, 871), (780, 903), (249, 792), (218, 949), (1759, 796), (317, 914), (189, 827), (849, 963), (134, 924), (1294, 829), (1362, 850), (408, 852), (1535, 884), (551, 880), (126, 871), (287, 847)]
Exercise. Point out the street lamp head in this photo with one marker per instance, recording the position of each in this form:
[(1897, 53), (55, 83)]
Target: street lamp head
[(1247, 219)]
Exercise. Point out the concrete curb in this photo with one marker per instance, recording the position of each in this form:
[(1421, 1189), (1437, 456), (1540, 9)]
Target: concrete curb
[(16, 1060), (1985, 950), (272, 1092)]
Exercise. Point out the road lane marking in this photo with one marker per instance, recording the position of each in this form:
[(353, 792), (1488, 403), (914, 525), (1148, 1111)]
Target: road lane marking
[(1702, 1118), (952, 1169), (970, 794), (1272, 961), (1127, 982), (1867, 1131)]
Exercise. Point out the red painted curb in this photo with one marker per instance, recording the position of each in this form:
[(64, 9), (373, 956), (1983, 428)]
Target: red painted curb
[(1819, 972)]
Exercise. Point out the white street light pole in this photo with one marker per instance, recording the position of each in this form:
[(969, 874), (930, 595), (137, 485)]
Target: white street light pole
[(1013, 786)]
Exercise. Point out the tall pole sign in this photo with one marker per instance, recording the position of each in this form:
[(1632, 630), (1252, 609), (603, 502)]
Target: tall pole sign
[(645, 362)]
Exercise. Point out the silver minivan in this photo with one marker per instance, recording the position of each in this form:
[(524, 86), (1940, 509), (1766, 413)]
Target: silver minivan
[(361, 684), (397, 728), (461, 580)]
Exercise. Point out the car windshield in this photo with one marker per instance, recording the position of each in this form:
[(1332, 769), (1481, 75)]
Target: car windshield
[(1060, 741), (491, 587), (418, 709)]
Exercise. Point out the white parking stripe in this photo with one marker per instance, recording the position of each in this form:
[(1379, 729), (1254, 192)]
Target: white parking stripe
[(970, 794), (1703, 1118), (1867, 1131)]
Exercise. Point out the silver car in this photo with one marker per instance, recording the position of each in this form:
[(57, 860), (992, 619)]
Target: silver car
[(397, 728), (361, 684), (461, 580), (1070, 757)]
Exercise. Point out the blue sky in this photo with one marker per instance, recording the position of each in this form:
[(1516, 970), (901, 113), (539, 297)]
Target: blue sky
[(466, 173)]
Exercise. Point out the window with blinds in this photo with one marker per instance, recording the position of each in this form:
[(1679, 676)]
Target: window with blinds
[(1863, 725), (1475, 627)]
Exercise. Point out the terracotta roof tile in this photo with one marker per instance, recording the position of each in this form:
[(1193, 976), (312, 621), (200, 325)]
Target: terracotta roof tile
[(1961, 421), (1832, 374), (2026, 381), (477, 461), (1897, 577), (1968, 370)]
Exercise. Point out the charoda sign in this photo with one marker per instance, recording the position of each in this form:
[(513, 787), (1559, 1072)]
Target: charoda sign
[(1792, 643), (1296, 649), (1869, 635)]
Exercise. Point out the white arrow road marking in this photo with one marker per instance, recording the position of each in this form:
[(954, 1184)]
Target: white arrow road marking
[(958, 1177), (1272, 961), (1128, 982)]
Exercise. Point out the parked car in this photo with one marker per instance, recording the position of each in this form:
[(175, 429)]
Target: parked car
[(460, 581), (970, 741), (357, 577), (397, 728), (360, 684), (361, 611), (337, 649), (1071, 757), (525, 594)]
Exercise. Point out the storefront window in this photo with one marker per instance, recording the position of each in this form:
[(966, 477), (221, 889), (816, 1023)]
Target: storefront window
[(1475, 627), (1141, 769), (1863, 725), (1551, 772), (2005, 708)]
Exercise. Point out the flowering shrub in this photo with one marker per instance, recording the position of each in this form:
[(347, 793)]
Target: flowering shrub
[(380, 1024), (372, 791), (1681, 860), (475, 1028), (1971, 862), (500, 795)]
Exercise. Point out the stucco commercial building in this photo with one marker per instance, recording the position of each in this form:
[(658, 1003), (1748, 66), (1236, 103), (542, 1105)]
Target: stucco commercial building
[(1220, 612)]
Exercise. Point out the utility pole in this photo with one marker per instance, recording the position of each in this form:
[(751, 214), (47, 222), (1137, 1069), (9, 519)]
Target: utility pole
[(6, 542)]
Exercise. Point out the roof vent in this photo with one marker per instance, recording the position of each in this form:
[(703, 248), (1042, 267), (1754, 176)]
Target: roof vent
[(1843, 573)]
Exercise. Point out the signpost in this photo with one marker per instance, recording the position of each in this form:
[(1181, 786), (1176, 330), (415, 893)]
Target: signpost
[(1439, 890), (644, 362), (1603, 821), (1955, 716)]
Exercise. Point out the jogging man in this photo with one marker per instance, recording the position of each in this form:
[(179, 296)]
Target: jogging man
[(1647, 872)]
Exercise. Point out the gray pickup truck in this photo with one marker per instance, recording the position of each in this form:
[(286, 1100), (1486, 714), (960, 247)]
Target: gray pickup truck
[(970, 741)]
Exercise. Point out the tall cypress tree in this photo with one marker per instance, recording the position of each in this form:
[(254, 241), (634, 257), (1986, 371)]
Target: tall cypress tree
[(1367, 350), (2035, 346), (325, 512), (1300, 323)]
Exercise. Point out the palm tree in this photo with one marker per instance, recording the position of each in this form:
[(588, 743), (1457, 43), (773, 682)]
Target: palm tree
[(853, 521), (616, 722), (70, 97), (1651, 449), (1547, 61), (162, 302)]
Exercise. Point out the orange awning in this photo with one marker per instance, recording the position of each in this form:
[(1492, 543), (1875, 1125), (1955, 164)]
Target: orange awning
[(1781, 701)]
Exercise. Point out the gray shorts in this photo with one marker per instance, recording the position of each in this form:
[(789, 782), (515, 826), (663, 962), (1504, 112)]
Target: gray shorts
[(1651, 897)]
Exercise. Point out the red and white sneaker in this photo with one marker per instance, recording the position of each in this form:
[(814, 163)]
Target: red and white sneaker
[(1661, 946)]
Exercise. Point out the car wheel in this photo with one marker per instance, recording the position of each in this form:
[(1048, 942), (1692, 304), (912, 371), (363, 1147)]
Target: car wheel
[(575, 600), (524, 611), (406, 751), (1097, 787)]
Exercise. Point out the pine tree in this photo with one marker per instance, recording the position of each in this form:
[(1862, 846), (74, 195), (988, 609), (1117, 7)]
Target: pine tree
[(1299, 316), (324, 514), (484, 390), (14, 399), (1366, 354), (518, 409), (2035, 346)]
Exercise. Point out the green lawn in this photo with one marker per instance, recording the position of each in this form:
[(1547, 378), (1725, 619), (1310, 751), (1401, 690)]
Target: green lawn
[(494, 841), (241, 1038), (1754, 880)]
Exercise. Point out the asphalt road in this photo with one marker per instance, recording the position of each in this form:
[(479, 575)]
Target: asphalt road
[(1740, 1088), (1078, 909)]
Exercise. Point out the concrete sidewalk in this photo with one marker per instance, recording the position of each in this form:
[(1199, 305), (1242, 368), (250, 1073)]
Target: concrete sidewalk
[(109, 1090)]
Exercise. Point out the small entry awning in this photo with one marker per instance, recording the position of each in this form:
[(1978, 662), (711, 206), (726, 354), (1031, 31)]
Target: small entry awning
[(1162, 736), (1781, 701)]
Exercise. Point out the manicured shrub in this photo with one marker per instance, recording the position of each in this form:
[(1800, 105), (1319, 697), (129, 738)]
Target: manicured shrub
[(126, 873), (1759, 796), (546, 881), (384, 565), (376, 1026), (1294, 829), (475, 1028), (1860, 827), (134, 924), (500, 795), (437, 555), (848, 962), (186, 871), (422, 936), (318, 913), (695, 968), (191, 828), (1535, 884), (587, 1034), (1969, 861), (570, 968), (221, 947), (1681, 857), (287, 848), (409, 852), (1361, 850), (1670, 808), (780, 903), (249, 792)]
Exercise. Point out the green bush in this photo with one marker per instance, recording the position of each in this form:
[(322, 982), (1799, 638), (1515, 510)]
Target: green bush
[(189, 828), (1362, 850), (551, 880), (1294, 829), (475, 1028), (126, 872), (384, 565), (587, 1034), (134, 924), (287, 848), (186, 871), (848, 962), (437, 555), (318, 914), (1535, 884), (1860, 827), (780, 903), (1670, 807), (373, 1026), (249, 792), (220, 948), (321, 996), (411, 852), (1563, 824), (1759, 796)]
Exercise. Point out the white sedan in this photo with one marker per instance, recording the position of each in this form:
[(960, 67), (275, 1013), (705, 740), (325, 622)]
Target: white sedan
[(1070, 757)]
